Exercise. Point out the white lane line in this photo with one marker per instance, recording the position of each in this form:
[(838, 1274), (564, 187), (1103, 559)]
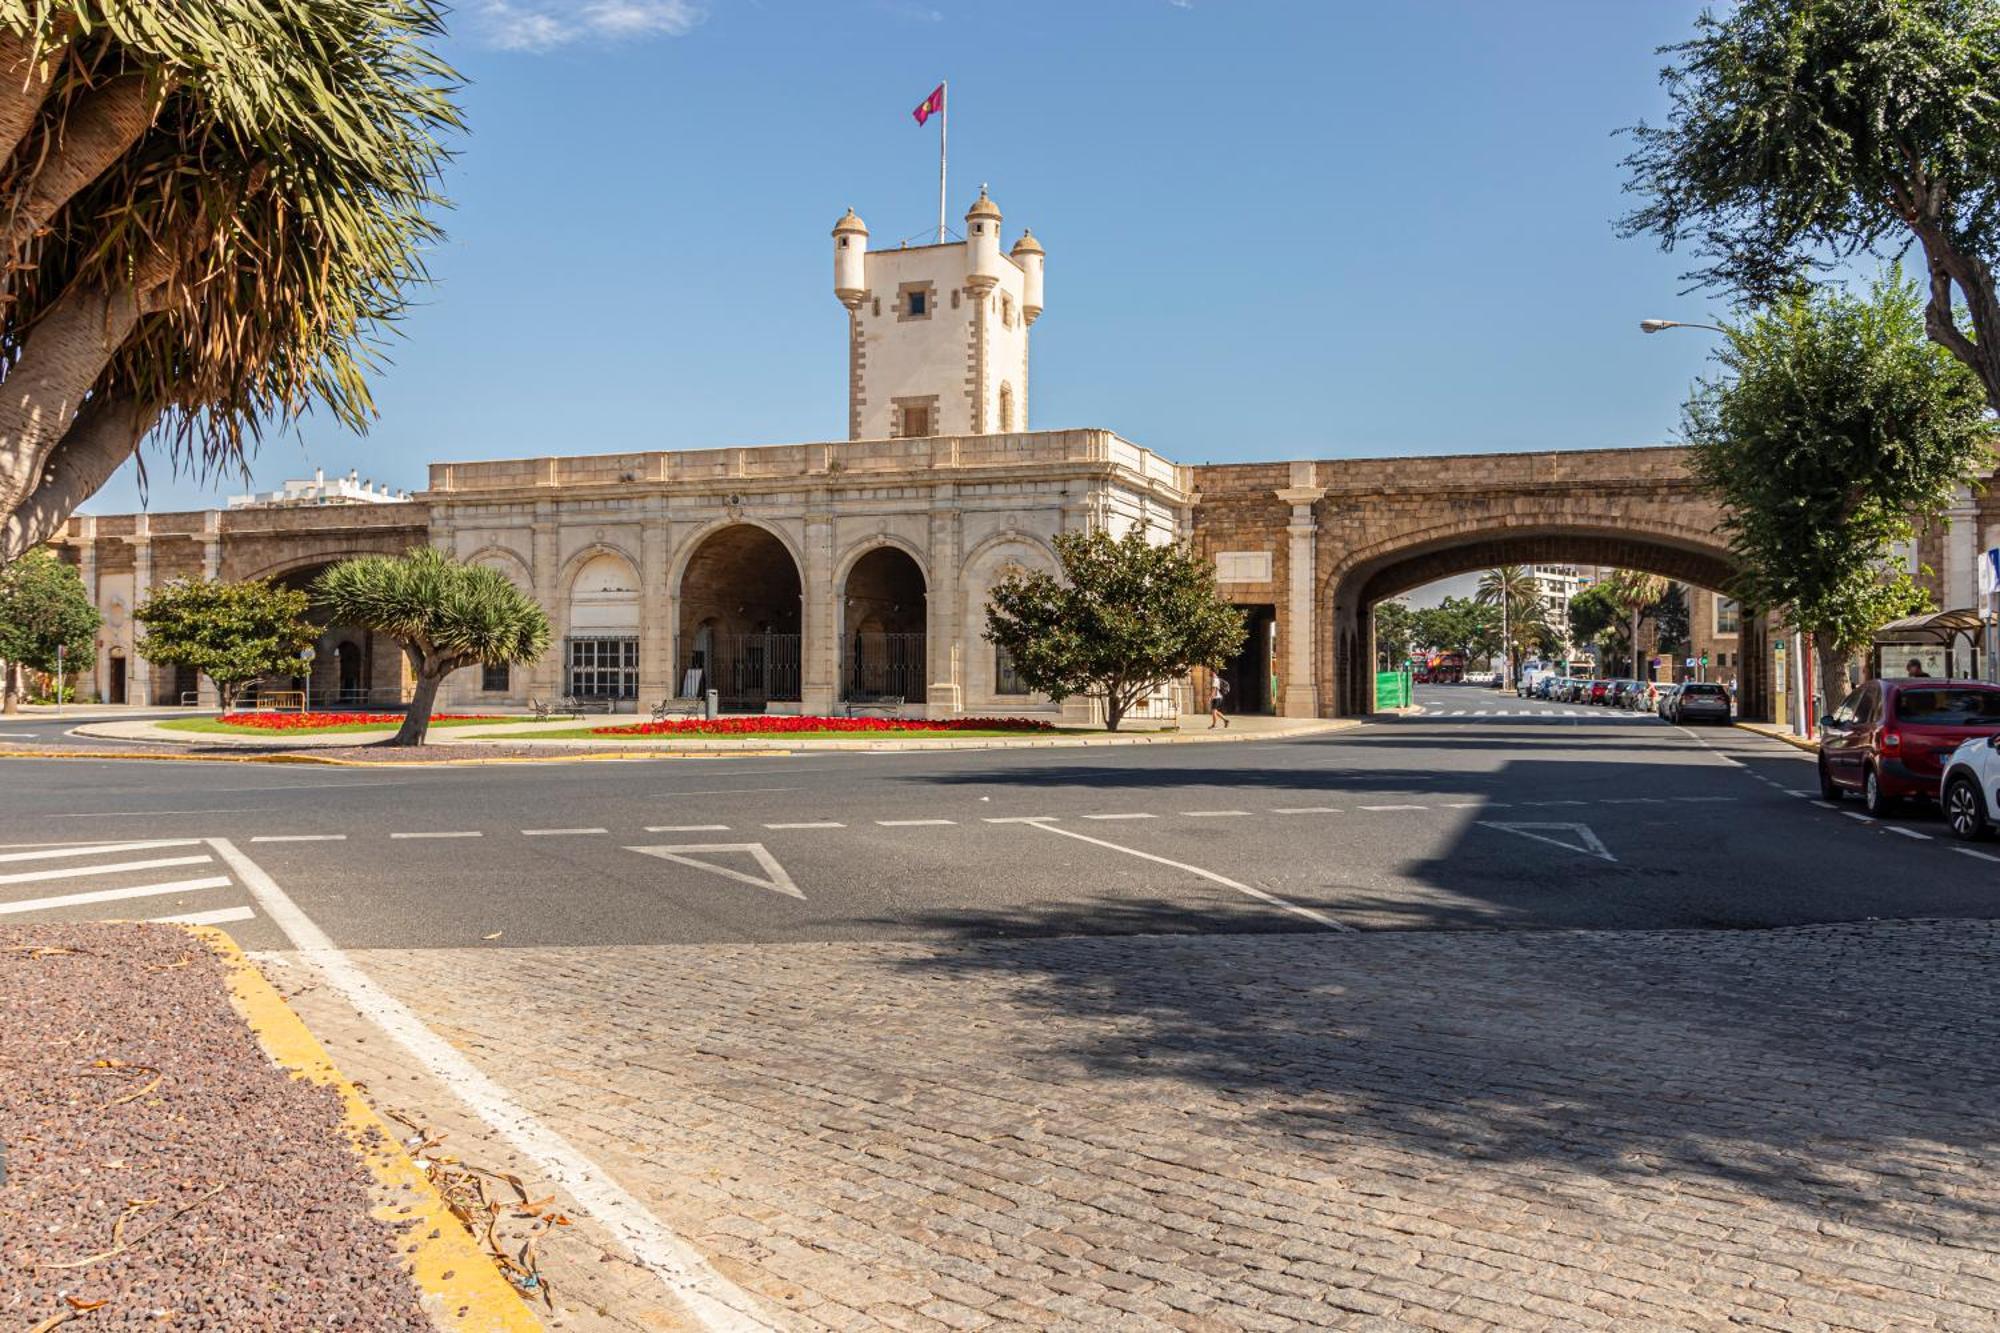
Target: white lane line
[(1983, 856), (715, 1301), (1020, 819), (72, 872), (301, 837), (86, 849), (221, 916), (1465, 805), (559, 832), (1214, 814), (1130, 816), (1305, 810), (115, 895), (1722, 798), (687, 828), (1395, 807), (1792, 791), (1826, 805), (1857, 815), (437, 835), (820, 824), (1910, 833), (1631, 800), (915, 823), (1318, 918)]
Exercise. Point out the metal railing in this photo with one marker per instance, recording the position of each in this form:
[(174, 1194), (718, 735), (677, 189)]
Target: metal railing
[(883, 664), (749, 671)]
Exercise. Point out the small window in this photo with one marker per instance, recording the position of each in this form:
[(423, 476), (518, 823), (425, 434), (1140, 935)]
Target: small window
[(919, 304), (916, 422), (1006, 407), (1006, 680), (1007, 310), (494, 679), (1728, 615)]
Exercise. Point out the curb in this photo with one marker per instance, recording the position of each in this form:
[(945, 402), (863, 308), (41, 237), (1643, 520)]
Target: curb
[(195, 757), (461, 1289), (1796, 742)]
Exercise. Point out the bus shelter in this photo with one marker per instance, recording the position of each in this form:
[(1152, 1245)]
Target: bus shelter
[(1945, 644)]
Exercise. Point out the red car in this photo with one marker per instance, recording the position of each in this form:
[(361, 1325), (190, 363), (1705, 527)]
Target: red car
[(1597, 691), (1889, 739)]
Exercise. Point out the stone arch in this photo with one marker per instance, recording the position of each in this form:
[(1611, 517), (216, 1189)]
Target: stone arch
[(278, 569), (1345, 649), (876, 542), (984, 565), (684, 554), (373, 673), (602, 611), (739, 591), (509, 562), (884, 617)]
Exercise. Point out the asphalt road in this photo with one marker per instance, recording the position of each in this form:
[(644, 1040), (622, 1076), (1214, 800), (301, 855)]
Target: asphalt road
[(1484, 812)]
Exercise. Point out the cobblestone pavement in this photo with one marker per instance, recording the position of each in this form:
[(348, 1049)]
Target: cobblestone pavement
[(1789, 1129)]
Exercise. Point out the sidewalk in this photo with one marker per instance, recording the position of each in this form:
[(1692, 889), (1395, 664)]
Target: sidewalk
[(178, 1148), (1778, 733)]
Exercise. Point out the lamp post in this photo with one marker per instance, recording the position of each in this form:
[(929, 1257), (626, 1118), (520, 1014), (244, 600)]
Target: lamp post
[(1656, 325)]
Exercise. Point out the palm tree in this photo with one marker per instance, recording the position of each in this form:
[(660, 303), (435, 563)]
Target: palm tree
[(212, 210), (444, 614), (1635, 592), (1515, 588)]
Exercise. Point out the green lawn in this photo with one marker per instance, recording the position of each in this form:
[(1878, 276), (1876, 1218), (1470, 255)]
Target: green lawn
[(211, 725)]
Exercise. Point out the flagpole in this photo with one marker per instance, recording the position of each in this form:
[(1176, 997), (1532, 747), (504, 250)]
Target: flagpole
[(944, 120)]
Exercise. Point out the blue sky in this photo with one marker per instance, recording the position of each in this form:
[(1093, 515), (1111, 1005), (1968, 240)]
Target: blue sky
[(1314, 228)]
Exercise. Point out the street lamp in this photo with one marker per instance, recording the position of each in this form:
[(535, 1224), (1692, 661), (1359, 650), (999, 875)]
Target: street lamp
[(1656, 325)]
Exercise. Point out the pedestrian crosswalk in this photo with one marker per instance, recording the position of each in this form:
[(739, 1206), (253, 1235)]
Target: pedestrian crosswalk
[(1594, 714), (155, 879)]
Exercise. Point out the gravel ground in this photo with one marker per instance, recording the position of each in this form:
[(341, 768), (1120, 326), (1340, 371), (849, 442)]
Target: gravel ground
[(160, 1171)]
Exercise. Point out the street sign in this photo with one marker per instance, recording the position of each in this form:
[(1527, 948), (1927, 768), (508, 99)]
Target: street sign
[(307, 653)]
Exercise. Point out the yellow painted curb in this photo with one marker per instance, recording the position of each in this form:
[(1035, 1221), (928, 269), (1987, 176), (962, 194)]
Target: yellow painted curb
[(1796, 742), (462, 1290), (327, 761)]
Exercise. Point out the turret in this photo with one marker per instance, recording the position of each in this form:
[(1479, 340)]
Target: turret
[(982, 240), (1028, 254), (850, 251)]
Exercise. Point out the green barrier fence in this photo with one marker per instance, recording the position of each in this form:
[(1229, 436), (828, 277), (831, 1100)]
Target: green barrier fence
[(1392, 689)]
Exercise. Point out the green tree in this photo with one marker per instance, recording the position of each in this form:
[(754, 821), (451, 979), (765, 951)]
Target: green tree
[(1834, 426), (446, 615), (214, 209), (1461, 625), (1125, 617), (1596, 618), (1395, 634), (1670, 618), (233, 633), (43, 609), (1803, 132), (1634, 592), (1513, 588)]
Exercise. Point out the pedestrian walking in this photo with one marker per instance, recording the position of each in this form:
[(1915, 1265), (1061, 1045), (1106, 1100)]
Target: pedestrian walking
[(1218, 690)]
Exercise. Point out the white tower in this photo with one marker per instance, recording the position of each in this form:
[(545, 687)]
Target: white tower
[(937, 334)]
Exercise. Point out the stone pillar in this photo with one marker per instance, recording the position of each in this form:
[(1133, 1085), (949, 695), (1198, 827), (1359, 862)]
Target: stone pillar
[(945, 646), (206, 695), (83, 532), (139, 683), (545, 677), (1753, 671), (1300, 625), (658, 612), (1961, 552), (819, 617)]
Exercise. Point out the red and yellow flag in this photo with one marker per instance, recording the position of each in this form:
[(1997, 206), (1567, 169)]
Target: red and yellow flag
[(930, 106)]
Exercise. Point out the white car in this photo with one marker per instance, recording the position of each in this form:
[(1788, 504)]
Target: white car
[(1481, 677), (1969, 790)]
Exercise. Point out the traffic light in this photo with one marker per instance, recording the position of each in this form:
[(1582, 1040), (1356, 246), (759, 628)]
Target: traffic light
[(1704, 659)]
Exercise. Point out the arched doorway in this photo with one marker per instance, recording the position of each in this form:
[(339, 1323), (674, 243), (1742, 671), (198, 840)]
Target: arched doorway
[(347, 663), (601, 645), (114, 672), (884, 622), (739, 619), (1358, 586), (351, 667)]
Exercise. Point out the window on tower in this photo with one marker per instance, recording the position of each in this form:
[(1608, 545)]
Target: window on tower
[(919, 304)]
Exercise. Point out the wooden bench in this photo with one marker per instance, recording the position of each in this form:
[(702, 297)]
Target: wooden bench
[(889, 705)]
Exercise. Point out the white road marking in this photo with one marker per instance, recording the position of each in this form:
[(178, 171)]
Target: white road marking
[(1319, 918), (1395, 807), (301, 837), (1853, 814), (221, 916), (1130, 816), (559, 832), (687, 828), (1463, 805), (713, 1299), (1910, 833), (1791, 791), (1724, 798), (1587, 842), (1306, 810), (775, 877), (115, 895), (914, 823), (1984, 856), (73, 849), (1632, 800), (1020, 819), (437, 835), (72, 872), (1214, 814), (820, 824), (1826, 805)]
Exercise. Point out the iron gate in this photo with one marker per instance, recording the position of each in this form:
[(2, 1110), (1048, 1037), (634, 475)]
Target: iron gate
[(884, 664), (748, 670)]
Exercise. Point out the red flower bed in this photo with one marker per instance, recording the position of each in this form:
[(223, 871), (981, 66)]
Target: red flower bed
[(780, 725), (317, 721)]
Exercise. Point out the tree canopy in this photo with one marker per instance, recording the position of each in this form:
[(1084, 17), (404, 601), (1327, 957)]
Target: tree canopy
[(233, 633), (1833, 427), (1124, 618), (1807, 131), (446, 615), (1395, 634), (1460, 625), (43, 609), (214, 210)]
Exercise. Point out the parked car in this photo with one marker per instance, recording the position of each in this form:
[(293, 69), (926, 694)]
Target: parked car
[(1481, 677), (1891, 739), (1664, 708), (1596, 691), (1577, 691), (1700, 701), (1546, 687), (1621, 691), (1645, 698)]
